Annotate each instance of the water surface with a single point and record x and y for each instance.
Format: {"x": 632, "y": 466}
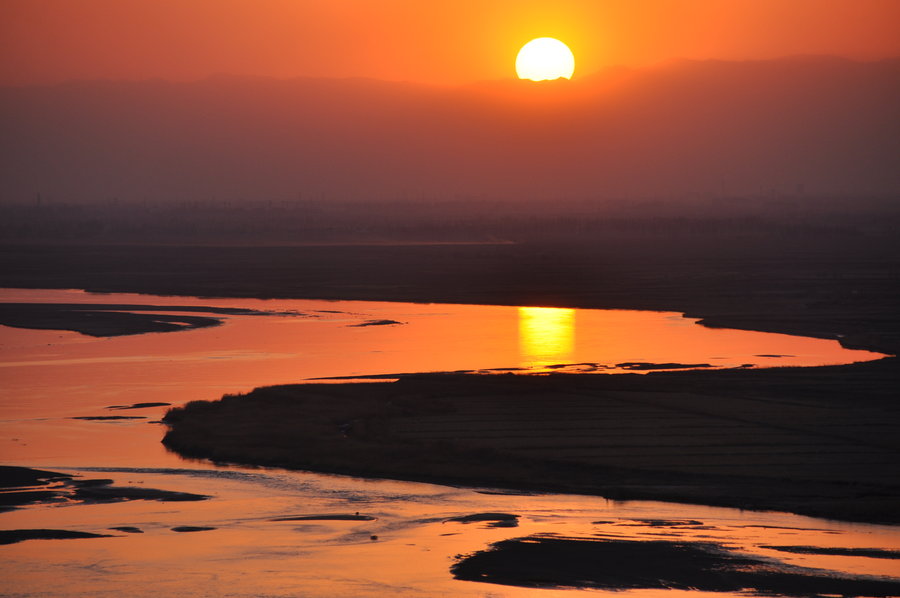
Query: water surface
{"x": 50, "y": 377}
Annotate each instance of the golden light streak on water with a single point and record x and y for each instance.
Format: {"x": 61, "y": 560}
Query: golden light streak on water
{"x": 546, "y": 335}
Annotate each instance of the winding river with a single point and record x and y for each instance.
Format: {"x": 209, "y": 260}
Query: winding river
{"x": 406, "y": 539}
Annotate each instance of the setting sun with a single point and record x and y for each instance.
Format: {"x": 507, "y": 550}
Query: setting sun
{"x": 545, "y": 59}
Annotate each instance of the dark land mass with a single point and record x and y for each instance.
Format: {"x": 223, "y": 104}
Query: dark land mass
{"x": 641, "y": 365}
{"x": 814, "y": 441}
{"x": 139, "y": 406}
{"x": 491, "y": 519}
{"x": 664, "y": 522}
{"x": 12, "y": 536}
{"x": 376, "y": 323}
{"x": 108, "y": 417}
{"x": 98, "y": 319}
{"x": 21, "y": 486}
{"x": 541, "y": 561}
{"x": 394, "y": 375}
{"x": 95, "y": 494}
{"x": 482, "y": 517}
{"x": 335, "y": 517}
{"x": 191, "y": 528}
{"x": 12, "y": 499}
{"x": 16, "y": 477}
{"x": 781, "y": 439}
{"x": 872, "y": 553}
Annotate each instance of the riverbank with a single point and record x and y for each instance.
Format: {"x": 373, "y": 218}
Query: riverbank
{"x": 814, "y": 441}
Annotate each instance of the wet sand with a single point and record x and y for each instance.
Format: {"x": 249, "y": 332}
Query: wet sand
{"x": 783, "y": 439}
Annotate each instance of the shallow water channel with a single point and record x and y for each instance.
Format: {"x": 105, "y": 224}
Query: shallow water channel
{"x": 404, "y": 543}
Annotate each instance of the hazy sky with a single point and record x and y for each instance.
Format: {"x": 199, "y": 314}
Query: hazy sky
{"x": 433, "y": 41}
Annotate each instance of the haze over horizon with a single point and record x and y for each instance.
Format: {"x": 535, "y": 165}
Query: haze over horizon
{"x": 807, "y": 126}
{"x": 167, "y": 103}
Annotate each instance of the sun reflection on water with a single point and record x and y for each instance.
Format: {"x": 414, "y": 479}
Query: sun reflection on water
{"x": 546, "y": 335}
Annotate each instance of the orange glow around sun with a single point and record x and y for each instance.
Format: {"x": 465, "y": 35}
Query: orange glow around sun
{"x": 50, "y": 41}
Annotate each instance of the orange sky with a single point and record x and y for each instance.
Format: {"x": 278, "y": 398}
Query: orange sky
{"x": 433, "y": 41}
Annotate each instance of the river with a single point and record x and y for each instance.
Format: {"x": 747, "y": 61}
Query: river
{"x": 407, "y": 540}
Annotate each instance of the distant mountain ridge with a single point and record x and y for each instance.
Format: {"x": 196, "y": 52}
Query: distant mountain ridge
{"x": 802, "y": 125}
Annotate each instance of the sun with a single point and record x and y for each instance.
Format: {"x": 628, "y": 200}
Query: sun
{"x": 545, "y": 59}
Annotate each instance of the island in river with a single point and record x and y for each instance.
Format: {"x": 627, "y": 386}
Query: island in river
{"x": 771, "y": 439}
